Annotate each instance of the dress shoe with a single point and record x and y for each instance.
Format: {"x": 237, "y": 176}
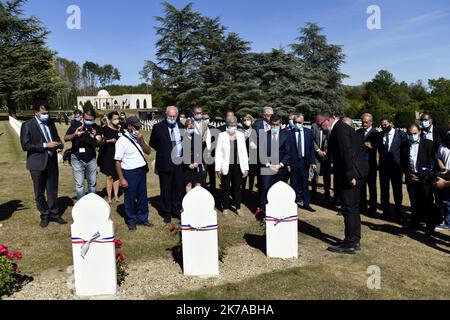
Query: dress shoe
{"x": 58, "y": 220}
{"x": 343, "y": 248}
{"x": 167, "y": 219}
{"x": 44, "y": 223}
{"x": 357, "y": 245}
{"x": 132, "y": 228}
{"x": 308, "y": 208}
{"x": 147, "y": 224}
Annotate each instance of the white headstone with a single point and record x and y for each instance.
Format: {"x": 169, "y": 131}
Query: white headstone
{"x": 199, "y": 234}
{"x": 93, "y": 248}
{"x": 281, "y": 222}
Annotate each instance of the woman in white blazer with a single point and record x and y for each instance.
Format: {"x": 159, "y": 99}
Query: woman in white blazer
{"x": 231, "y": 164}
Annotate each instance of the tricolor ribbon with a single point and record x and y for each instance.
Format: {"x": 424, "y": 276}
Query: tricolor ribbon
{"x": 191, "y": 228}
{"x": 86, "y": 244}
{"x": 280, "y": 220}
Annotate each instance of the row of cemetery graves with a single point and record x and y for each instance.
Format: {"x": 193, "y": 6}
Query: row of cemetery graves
{"x": 93, "y": 248}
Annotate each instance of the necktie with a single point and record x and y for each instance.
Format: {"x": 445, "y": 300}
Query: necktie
{"x": 172, "y": 138}
{"x": 47, "y": 138}
{"x": 321, "y": 140}
{"x": 299, "y": 148}
{"x": 387, "y": 142}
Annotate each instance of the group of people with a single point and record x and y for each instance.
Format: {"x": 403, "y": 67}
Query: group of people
{"x": 190, "y": 152}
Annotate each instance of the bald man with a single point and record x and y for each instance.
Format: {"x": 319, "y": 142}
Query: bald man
{"x": 166, "y": 139}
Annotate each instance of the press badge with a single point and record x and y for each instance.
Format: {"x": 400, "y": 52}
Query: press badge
{"x": 82, "y": 150}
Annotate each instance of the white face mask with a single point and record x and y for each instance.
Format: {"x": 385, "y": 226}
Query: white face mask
{"x": 247, "y": 123}
{"x": 232, "y": 130}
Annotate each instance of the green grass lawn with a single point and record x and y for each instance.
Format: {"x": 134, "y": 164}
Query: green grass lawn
{"x": 412, "y": 267}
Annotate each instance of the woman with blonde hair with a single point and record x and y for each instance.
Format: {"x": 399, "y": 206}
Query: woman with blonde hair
{"x": 231, "y": 164}
{"x": 251, "y": 143}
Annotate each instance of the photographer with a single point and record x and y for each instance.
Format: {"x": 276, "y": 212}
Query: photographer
{"x": 443, "y": 183}
{"x": 417, "y": 159}
{"x": 85, "y": 136}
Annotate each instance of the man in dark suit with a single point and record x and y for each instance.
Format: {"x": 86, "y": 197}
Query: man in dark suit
{"x": 40, "y": 139}
{"x": 302, "y": 160}
{"x": 346, "y": 148}
{"x": 274, "y": 166}
{"x": 417, "y": 156}
{"x": 323, "y": 160}
{"x": 369, "y": 134}
{"x": 431, "y": 131}
{"x": 264, "y": 123}
{"x": 166, "y": 139}
{"x": 210, "y": 168}
{"x": 389, "y": 143}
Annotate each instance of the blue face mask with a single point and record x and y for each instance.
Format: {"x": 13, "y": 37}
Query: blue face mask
{"x": 135, "y": 134}
{"x": 44, "y": 117}
{"x": 413, "y": 138}
{"x": 78, "y": 119}
{"x": 171, "y": 121}
{"x": 299, "y": 126}
{"x": 291, "y": 124}
{"x": 276, "y": 130}
{"x": 198, "y": 117}
{"x": 88, "y": 123}
{"x": 426, "y": 124}
{"x": 190, "y": 131}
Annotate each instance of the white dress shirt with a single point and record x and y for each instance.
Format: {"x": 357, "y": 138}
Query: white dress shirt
{"x": 176, "y": 131}
{"x": 428, "y": 134}
{"x": 128, "y": 154}
{"x": 302, "y": 137}
{"x": 413, "y": 153}
{"x": 391, "y": 138}
{"x": 444, "y": 156}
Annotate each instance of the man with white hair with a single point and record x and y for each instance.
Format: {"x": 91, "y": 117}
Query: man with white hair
{"x": 166, "y": 139}
{"x": 369, "y": 134}
{"x": 264, "y": 123}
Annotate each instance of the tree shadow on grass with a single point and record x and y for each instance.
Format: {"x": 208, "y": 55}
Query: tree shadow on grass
{"x": 155, "y": 202}
{"x": 432, "y": 242}
{"x": 64, "y": 203}
{"x": 315, "y": 232}
{"x": 256, "y": 241}
{"x": 7, "y": 209}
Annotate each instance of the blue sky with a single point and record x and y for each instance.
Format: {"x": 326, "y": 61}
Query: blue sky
{"x": 413, "y": 42}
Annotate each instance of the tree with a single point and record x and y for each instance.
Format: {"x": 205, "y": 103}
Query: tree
{"x": 177, "y": 50}
{"x": 321, "y": 78}
{"x": 27, "y": 69}
{"x": 107, "y": 75}
{"x": 70, "y": 75}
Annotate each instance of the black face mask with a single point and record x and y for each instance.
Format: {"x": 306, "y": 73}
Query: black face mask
{"x": 387, "y": 129}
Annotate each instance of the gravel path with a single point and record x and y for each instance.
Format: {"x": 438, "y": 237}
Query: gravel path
{"x": 154, "y": 278}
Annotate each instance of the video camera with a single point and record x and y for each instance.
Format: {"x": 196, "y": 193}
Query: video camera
{"x": 430, "y": 176}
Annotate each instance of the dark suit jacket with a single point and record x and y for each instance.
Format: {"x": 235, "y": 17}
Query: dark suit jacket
{"x": 259, "y": 125}
{"x": 310, "y": 152}
{"x": 439, "y": 134}
{"x": 346, "y": 148}
{"x": 32, "y": 140}
{"x": 283, "y": 151}
{"x": 372, "y": 153}
{"x": 161, "y": 142}
{"x": 392, "y": 158}
{"x": 425, "y": 156}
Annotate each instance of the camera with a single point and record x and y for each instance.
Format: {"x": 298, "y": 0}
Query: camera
{"x": 430, "y": 176}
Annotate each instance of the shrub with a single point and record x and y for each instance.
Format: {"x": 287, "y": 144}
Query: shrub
{"x": 9, "y": 270}
{"x": 121, "y": 265}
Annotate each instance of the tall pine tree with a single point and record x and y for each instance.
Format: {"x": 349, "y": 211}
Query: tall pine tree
{"x": 27, "y": 69}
